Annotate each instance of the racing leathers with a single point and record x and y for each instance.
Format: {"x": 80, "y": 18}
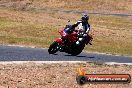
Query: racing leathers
{"x": 83, "y": 28}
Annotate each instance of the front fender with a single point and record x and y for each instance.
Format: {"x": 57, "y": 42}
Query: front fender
{"x": 59, "y": 40}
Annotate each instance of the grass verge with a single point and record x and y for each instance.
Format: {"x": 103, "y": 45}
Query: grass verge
{"x": 112, "y": 34}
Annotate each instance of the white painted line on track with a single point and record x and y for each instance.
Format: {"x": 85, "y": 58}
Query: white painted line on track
{"x": 23, "y": 46}
{"x": 113, "y": 63}
{"x": 61, "y": 62}
{"x": 40, "y": 62}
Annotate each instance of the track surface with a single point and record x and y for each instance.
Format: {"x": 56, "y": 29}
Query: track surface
{"x": 94, "y": 13}
{"x": 14, "y": 53}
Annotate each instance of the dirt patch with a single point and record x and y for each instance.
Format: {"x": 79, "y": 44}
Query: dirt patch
{"x": 32, "y": 75}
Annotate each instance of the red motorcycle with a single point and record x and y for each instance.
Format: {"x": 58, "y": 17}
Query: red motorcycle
{"x": 67, "y": 42}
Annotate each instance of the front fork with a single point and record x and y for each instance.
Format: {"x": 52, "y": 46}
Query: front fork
{"x": 60, "y": 42}
{"x": 63, "y": 44}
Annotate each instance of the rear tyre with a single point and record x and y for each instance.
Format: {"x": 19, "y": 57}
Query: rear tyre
{"x": 54, "y": 47}
{"x": 77, "y": 50}
{"x": 75, "y": 53}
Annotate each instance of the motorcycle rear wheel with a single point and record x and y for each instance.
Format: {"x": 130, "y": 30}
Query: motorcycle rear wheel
{"x": 76, "y": 51}
{"x": 54, "y": 47}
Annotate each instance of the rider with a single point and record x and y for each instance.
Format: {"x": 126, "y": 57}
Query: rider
{"x": 83, "y": 27}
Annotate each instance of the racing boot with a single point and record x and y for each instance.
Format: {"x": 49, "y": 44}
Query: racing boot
{"x": 80, "y": 41}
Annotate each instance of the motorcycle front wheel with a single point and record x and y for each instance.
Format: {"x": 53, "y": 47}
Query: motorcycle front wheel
{"x": 54, "y": 47}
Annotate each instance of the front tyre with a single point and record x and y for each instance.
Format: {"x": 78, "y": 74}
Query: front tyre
{"x": 54, "y": 47}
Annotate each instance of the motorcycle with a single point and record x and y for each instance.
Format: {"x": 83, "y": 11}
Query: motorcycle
{"x": 67, "y": 42}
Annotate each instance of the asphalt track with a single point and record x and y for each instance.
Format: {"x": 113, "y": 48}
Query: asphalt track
{"x": 94, "y": 13}
{"x": 15, "y": 53}
{"x": 36, "y": 9}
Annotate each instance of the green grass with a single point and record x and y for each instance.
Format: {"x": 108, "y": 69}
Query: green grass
{"x": 112, "y": 22}
{"x": 15, "y": 40}
{"x": 110, "y": 48}
{"x": 6, "y": 23}
{"x": 23, "y": 33}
